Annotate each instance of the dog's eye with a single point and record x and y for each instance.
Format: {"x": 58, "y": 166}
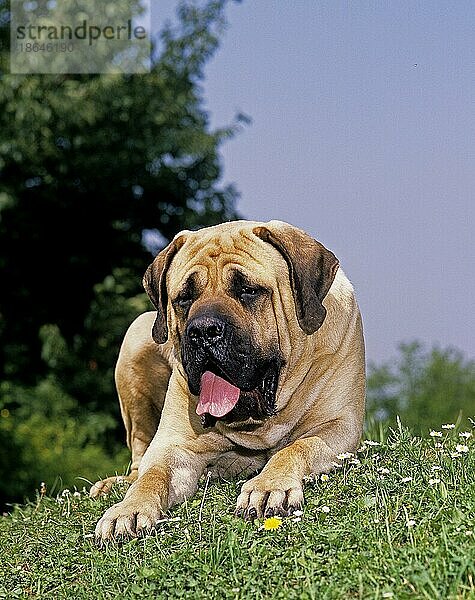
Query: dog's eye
{"x": 184, "y": 302}
{"x": 248, "y": 293}
{"x": 187, "y": 295}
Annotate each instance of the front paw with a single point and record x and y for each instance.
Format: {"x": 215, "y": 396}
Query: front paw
{"x": 268, "y": 496}
{"x": 133, "y": 517}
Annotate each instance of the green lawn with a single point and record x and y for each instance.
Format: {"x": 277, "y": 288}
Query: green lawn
{"x": 397, "y": 521}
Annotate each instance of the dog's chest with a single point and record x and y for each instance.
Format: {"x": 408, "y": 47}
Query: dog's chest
{"x": 264, "y": 438}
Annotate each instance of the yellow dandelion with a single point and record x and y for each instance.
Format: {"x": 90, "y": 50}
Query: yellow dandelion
{"x": 272, "y": 523}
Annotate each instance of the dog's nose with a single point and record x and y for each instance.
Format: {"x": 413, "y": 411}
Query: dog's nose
{"x": 205, "y": 330}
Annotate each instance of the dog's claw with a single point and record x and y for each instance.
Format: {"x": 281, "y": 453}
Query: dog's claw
{"x": 127, "y": 520}
{"x": 265, "y": 497}
{"x": 293, "y": 508}
{"x": 251, "y": 514}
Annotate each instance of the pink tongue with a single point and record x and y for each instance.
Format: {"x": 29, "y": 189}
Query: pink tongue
{"x": 217, "y": 396}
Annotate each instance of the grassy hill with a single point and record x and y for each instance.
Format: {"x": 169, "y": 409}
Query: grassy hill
{"x": 396, "y": 521}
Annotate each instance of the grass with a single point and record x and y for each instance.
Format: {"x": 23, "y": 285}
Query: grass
{"x": 396, "y": 521}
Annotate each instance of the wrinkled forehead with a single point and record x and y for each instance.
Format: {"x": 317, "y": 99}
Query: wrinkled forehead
{"x": 216, "y": 254}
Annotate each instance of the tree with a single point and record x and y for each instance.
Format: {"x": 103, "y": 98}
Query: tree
{"x": 426, "y": 389}
{"x": 88, "y": 165}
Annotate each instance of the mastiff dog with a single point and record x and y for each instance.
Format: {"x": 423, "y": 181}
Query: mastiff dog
{"x": 252, "y": 364}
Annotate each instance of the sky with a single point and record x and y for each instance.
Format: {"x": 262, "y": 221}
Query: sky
{"x": 363, "y": 134}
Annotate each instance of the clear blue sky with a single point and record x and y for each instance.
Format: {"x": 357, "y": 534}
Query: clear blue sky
{"x": 363, "y": 134}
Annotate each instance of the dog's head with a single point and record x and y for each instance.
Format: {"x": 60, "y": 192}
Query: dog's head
{"x": 227, "y": 296}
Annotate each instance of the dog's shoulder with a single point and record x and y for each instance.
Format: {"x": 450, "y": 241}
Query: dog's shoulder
{"x": 138, "y": 345}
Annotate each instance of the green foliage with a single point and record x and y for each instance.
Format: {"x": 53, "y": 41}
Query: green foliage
{"x": 396, "y": 521}
{"x": 422, "y": 387}
{"x": 47, "y": 437}
{"x": 85, "y": 365}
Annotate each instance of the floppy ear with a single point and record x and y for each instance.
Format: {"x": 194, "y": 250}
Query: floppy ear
{"x": 155, "y": 284}
{"x": 312, "y": 269}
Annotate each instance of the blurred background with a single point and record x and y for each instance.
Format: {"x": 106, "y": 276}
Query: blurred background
{"x": 352, "y": 120}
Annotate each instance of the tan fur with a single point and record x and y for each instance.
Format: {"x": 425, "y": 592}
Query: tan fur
{"x": 320, "y": 397}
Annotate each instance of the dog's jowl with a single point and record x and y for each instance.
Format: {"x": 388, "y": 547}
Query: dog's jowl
{"x": 253, "y": 362}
